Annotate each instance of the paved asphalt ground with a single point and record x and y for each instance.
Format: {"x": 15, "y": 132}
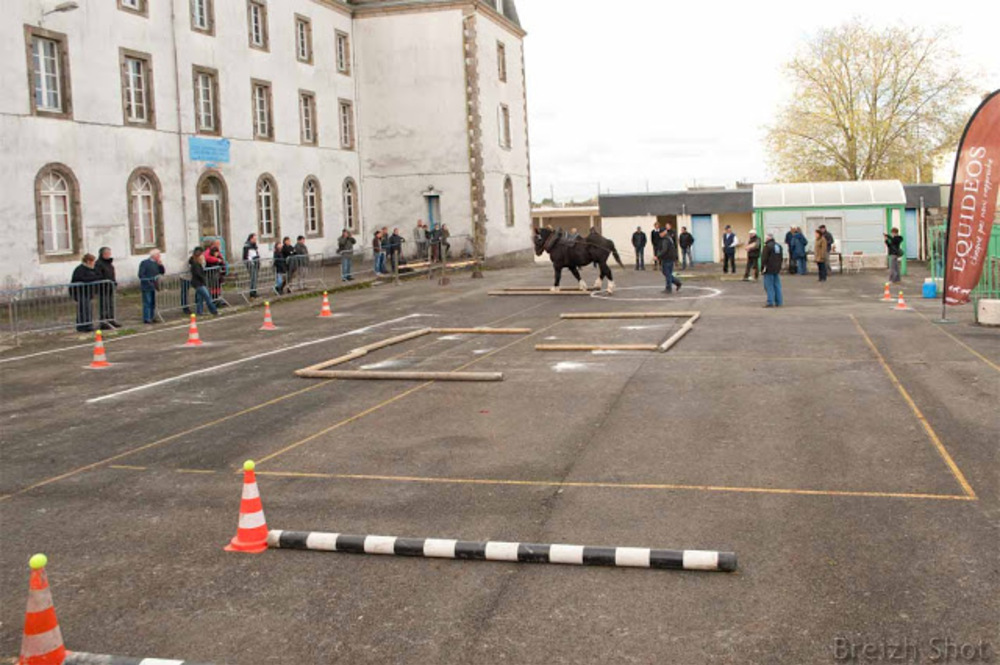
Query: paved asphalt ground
{"x": 794, "y": 437}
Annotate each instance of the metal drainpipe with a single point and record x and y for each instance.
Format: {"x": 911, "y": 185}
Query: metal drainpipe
{"x": 180, "y": 133}
{"x": 922, "y": 232}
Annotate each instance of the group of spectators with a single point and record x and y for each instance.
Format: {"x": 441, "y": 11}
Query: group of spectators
{"x": 685, "y": 242}
{"x": 289, "y": 261}
{"x": 387, "y": 249}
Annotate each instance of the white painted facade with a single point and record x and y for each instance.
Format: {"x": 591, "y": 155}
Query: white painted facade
{"x": 406, "y": 82}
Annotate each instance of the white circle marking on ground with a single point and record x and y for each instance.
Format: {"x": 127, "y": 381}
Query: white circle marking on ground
{"x": 605, "y": 296}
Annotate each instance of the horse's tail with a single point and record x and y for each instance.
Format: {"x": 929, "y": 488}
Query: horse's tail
{"x": 617, "y": 258}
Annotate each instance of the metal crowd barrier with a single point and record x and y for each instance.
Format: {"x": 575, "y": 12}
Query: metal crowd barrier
{"x": 58, "y": 307}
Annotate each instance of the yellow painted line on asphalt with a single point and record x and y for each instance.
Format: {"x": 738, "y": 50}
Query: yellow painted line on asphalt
{"x": 219, "y": 421}
{"x": 380, "y": 405}
{"x": 159, "y": 442}
{"x": 959, "y": 476}
{"x": 960, "y": 342}
{"x": 623, "y": 486}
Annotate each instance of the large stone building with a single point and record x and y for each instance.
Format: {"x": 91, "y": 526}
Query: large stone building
{"x": 137, "y": 124}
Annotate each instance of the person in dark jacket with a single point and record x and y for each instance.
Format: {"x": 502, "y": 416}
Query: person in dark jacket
{"x": 345, "y": 248}
{"x": 654, "y": 241}
{"x": 288, "y": 254}
{"x": 109, "y": 285}
{"x": 753, "y": 255}
{"x": 83, "y": 289}
{"x": 199, "y": 281}
{"x": 686, "y": 241}
{"x": 215, "y": 264}
{"x": 150, "y": 271}
{"x": 797, "y": 251}
{"x": 729, "y": 244}
{"x": 639, "y": 243}
{"x": 395, "y": 249}
{"x": 251, "y": 259}
{"x": 894, "y": 244}
{"x": 829, "y": 249}
{"x": 280, "y": 268}
{"x": 771, "y": 260}
{"x": 668, "y": 258}
{"x": 298, "y": 264}
{"x": 792, "y": 268}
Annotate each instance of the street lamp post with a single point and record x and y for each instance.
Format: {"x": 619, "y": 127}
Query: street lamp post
{"x": 61, "y": 8}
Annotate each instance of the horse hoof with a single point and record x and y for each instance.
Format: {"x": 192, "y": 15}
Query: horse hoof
{"x": 583, "y": 285}
{"x": 554, "y": 289}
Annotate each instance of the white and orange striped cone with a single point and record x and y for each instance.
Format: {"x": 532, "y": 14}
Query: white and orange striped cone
{"x": 194, "y": 339}
{"x": 42, "y": 643}
{"x": 251, "y": 535}
{"x": 100, "y": 360}
{"x": 901, "y": 305}
{"x": 268, "y": 323}
{"x": 887, "y": 296}
{"x": 325, "y": 312}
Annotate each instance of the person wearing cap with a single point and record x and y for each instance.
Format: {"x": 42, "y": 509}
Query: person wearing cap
{"x": 753, "y": 254}
{"x": 771, "y": 261}
{"x": 729, "y": 244}
{"x": 639, "y": 243}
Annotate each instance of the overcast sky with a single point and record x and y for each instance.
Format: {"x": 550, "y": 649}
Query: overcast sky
{"x": 623, "y": 92}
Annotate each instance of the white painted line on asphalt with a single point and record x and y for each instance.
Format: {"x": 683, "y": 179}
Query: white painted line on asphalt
{"x": 108, "y": 340}
{"x": 232, "y": 363}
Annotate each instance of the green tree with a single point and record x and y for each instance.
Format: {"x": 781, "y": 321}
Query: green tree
{"x": 870, "y": 104}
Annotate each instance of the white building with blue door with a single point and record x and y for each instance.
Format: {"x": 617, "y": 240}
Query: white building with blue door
{"x": 857, "y": 213}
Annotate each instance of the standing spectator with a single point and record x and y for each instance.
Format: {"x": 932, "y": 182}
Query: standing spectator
{"x": 639, "y": 243}
{"x": 434, "y": 238}
{"x": 654, "y": 240}
{"x": 753, "y": 255}
{"x": 82, "y": 290}
{"x": 251, "y": 259}
{"x": 668, "y": 258}
{"x": 797, "y": 251}
{"x": 150, "y": 272}
{"x": 199, "y": 281}
{"x": 792, "y": 268}
{"x": 894, "y": 244}
{"x": 395, "y": 249}
{"x": 445, "y": 245}
{"x": 378, "y": 252}
{"x": 830, "y": 249}
{"x": 280, "y": 268}
{"x": 215, "y": 273}
{"x": 822, "y": 254}
{"x": 420, "y": 240}
{"x": 109, "y": 285}
{"x": 771, "y": 261}
{"x": 686, "y": 243}
{"x": 288, "y": 253}
{"x": 345, "y": 248}
{"x": 729, "y": 244}
{"x": 300, "y": 259}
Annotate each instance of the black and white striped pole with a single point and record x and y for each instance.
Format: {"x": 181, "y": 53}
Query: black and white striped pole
{"x": 438, "y": 548}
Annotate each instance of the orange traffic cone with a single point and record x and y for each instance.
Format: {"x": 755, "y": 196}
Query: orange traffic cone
{"x": 901, "y": 305}
{"x": 100, "y": 360}
{"x": 42, "y": 643}
{"x": 268, "y": 323}
{"x": 251, "y": 535}
{"x": 194, "y": 339}
{"x": 886, "y": 296}
{"x": 325, "y": 312}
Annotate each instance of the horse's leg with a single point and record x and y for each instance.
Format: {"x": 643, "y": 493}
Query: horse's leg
{"x": 576, "y": 274}
{"x": 558, "y": 270}
{"x": 600, "y": 275}
{"x": 611, "y": 277}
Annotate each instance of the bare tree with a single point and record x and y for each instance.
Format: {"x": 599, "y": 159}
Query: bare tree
{"x": 869, "y": 104}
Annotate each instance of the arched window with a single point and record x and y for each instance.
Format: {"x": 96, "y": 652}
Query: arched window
{"x": 312, "y": 205}
{"x": 508, "y": 201}
{"x": 57, "y": 213}
{"x": 145, "y": 212}
{"x": 268, "y": 224}
{"x": 350, "y": 205}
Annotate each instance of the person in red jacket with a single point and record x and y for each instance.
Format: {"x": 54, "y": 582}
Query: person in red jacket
{"x": 215, "y": 269}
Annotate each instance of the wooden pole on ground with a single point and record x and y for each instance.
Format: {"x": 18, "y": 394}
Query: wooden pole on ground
{"x": 629, "y": 315}
{"x": 402, "y": 376}
{"x": 482, "y": 331}
{"x": 596, "y": 347}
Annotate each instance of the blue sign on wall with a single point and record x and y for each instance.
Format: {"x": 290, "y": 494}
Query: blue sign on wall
{"x": 208, "y": 150}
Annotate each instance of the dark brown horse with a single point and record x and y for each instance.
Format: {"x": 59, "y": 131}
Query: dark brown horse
{"x": 575, "y": 252}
